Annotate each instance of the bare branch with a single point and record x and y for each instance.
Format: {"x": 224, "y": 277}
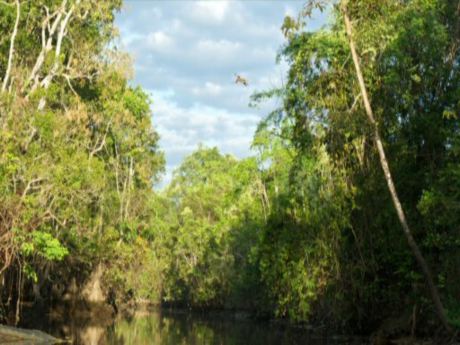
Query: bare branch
{"x": 62, "y": 32}
{"x": 69, "y": 83}
{"x": 102, "y": 143}
{"x": 30, "y": 186}
{"x": 47, "y": 46}
{"x": 47, "y": 80}
{"x": 43, "y": 35}
{"x": 355, "y": 103}
{"x": 11, "y": 53}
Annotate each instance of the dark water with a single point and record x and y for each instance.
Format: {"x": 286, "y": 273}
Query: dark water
{"x": 183, "y": 328}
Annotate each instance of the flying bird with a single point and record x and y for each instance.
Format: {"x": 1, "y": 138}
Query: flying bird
{"x": 241, "y": 80}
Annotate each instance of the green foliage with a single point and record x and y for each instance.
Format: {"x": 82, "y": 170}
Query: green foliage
{"x": 303, "y": 230}
{"x": 45, "y": 245}
{"x": 411, "y": 72}
{"x": 298, "y": 252}
{"x": 205, "y": 190}
{"x": 78, "y": 152}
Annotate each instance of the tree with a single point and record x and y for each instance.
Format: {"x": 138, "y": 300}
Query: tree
{"x": 79, "y": 154}
{"x": 388, "y": 176}
{"x": 205, "y": 190}
{"x": 414, "y": 94}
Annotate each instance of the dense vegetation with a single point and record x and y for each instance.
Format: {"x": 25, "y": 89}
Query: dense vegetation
{"x": 78, "y": 154}
{"x": 304, "y": 230}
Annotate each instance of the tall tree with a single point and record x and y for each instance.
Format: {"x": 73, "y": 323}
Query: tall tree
{"x": 388, "y": 176}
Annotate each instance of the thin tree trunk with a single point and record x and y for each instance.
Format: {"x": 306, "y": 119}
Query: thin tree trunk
{"x": 389, "y": 180}
{"x": 129, "y": 185}
{"x": 45, "y": 83}
{"x": 62, "y": 31}
{"x": 11, "y": 53}
{"x": 47, "y": 45}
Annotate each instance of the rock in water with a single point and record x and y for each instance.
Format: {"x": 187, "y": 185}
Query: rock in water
{"x": 18, "y": 336}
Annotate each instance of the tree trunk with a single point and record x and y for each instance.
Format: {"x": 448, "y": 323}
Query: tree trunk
{"x": 11, "y": 53}
{"x": 389, "y": 180}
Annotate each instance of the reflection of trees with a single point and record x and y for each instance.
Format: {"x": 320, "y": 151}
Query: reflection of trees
{"x": 173, "y": 328}
{"x": 155, "y": 329}
{"x": 92, "y": 335}
{"x": 187, "y": 329}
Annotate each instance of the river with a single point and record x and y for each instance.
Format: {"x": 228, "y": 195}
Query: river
{"x": 164, "y": 327}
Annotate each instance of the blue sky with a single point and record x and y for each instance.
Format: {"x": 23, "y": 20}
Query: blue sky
{"x": 186, "y": 54}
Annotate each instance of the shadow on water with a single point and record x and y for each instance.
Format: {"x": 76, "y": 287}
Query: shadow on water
{"x": 180, "y": 328}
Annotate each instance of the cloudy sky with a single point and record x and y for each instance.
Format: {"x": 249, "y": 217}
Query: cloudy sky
{"x": 186, "y": 55}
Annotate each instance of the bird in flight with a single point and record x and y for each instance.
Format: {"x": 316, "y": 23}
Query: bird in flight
{"x": 241, "y": 80}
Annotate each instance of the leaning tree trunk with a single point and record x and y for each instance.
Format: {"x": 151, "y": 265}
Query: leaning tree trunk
{"x": 389, "y": 179}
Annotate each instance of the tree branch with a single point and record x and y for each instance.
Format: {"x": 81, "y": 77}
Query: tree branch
{"x": 46, "y": 46}
{"x": 47, "y": 80}
{"x": 62, "y": 32}
{"x": 11, "y": 53}
{"x": 102, "y": 143}
{"x": 29, "y": 186}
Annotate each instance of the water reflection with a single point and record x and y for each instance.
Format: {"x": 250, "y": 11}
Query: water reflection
{"x": 181, "y": 328}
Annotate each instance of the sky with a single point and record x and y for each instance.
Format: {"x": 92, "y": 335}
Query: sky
{"x": 186, "y": 55}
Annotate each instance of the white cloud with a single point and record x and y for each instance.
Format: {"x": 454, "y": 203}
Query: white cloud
{"x": 183, "y": 128}
{"x": 159, "y": 40}
{"x": 205, "y": 11}
{"x": 188, "y": 53}
{"x": 209, "y": 88}
{"x": 223, "y": 48}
